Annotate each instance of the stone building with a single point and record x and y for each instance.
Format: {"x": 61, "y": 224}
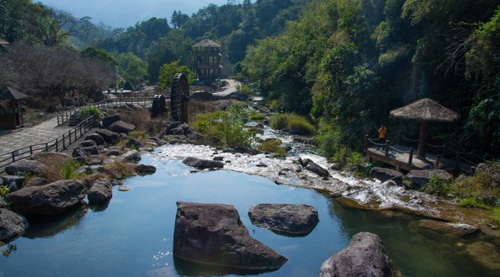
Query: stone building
{"x": 207, "y": 60}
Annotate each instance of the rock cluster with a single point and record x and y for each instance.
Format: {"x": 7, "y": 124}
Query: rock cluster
{"x": 287, "y": 219}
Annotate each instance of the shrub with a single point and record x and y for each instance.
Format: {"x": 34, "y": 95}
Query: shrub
{"x": 4, "y": 190}
{"x": 496, "y": 215}
{"x": 478, "y": 186}
{"x": 273, "y": 146}
{"x": 225, "y": 126}
{"x": 292, "y": 123}
{"x": 473, "y": 203}
{"x": 437, "y": 186}
{"x": 87, "y": 112}
{"x": 255, "y": 115}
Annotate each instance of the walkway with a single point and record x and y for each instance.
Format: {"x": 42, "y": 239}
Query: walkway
{"x": 40, "y": 133}
{"x": 230, "y": 88}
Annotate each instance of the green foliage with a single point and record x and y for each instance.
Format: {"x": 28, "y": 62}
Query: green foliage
{"x": 437, "y": 186}
{"x": 473, "y": 203}
{"x": 256, "y": 116}
{"x": 132, "y": 69}
{"x": 4, "y": 190}
{"x": 69, "y": 170}
{"x": 138, "y": 135}
{"x": 168, "y": 71}
{"x": 100, "y": 54}
{"x": 496, "y": 215}
{"x": 87, "y": 112}
{"x": 292, "y": 123}
{"x": 273, "y": 146}
{"x": 227, "y": 127}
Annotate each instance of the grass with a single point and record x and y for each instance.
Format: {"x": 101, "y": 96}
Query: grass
{"x": 256, "y": 116}
{"x": 60, "y": 168}
{"x": 292, "y": 123}
{"x": 473, "y": 203}
{"x": 4, "y": 190}
{"x": 496, "y": 215}
{"x": 120, "y": 169}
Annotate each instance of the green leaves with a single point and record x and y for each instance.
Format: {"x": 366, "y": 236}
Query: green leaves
{"x": 168, "y": 71}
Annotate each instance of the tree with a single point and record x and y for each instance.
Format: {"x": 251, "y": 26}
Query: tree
{"x": 168, "y": 71}
{"x": 132, "y": 69}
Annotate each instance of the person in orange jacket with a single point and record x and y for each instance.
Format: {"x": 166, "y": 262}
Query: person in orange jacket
{"x": 382, "y": 133}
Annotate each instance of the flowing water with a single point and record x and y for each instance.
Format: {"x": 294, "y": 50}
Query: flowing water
{"x": 133, "y": 235}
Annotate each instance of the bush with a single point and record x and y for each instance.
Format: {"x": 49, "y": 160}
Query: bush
{"x": 437, "y": 186}
{"x": 4, "y": 190}
{"x": 87, "y": 112}
{"x": 273, "y": 146}
{"x": 496, "y": 215}
{"x": 292, "y": 123}
{"x": 68, "y": 170}
{"x": 473, "y": 203}
{"x": 227, "y": 127}
{"x": 478, "y": 186}
{"x": 255, "y": 115}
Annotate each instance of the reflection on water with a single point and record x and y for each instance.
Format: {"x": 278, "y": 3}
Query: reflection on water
{"x": 133, "y": 235}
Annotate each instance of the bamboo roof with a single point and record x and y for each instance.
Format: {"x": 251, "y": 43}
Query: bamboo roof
{"x": 207, "y": 43}
{"x": 425, "y": 110}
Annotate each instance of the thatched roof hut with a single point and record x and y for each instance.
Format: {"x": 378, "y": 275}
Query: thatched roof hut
{"x": 425, "y": 110}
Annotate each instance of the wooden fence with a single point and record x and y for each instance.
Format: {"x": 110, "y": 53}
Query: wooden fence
{"x": 59, "y": 144}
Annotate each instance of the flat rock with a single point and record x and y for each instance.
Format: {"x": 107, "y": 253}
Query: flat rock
{"x": 12, "y": 225}
{"x": 109, "y": 136}
{"x": 101, "y": 191}
{"x": 145, "y": 169}
{"x": 132, "y": 156}
{"x": 314, "y": 167}
{"x": 364, "y": 256}
{"x": 107, "y": 121}
{"x": 202, "y": 164}
{"x": 485, "y": 253}
{"x": 422, "y": 177}
{"x": 51, "y": 199}
{"x": 132, "y": 142}
{"x": 287, "y": 219}
{"x": 454, "y": 229}
{"x": 214, "y": 234}
{"x": 386, "y": 174}
{"x": 121, "y": 127}
{"x": 26, "y": 167}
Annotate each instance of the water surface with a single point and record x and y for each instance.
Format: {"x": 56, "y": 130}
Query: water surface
{"x": 133, "y": 235}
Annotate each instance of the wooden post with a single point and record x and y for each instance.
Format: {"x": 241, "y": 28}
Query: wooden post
{"x": 366, "y": 142}
{"x": 387, "y": 148}
{"x": 437, "y": 161}
{"x": 13, "y": 156}
{"x": 58, "y": 124}
{"x": 31, "y": 150}
{"x": 69, "y": 137}
{"x": 410, "y": 159}
{"x": 57, "y": 144}
{"x": 46, "y": 147}
{"x": 64, "y": 141}
{"x": 422, "y": 140}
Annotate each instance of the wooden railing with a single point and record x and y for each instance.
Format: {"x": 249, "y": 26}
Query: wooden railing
{"x": 63, "y": 117}
{"x": 59, "y": 144}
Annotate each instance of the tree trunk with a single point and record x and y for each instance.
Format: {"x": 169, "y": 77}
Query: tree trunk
{"x": 422, "y": 141}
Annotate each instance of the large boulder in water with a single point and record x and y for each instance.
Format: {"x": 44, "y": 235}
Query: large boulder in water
{"x": 314, "y": 167}
{"x": 287, "y": 219}
{"x": 213, "y": 234}
{"x": 386, "y": 174}
{"x": 51, "y": 199}
{"x": 26, "y": 167}
{"x": 101, "y": 191}
{"x": 364, "y": 256}
{"x": 202, "y": 164}
{"x": 12, "y": 225}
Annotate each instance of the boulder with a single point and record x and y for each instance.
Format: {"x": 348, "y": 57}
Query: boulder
{"x": 133, "y": 143}
{"x": 246, "y": 150}
{"x": 132, "y": 156}
{"x": 420, "y": 178}
{"x": 107, "y": 121}
{"x": 114, "y": 152}
{"x": 109, "y": 136}
{"x": 101, "y": 191}
{"x": 83, "y": 154}
{"x": 88, "y": 143}
{"x": 26, "y": 167}
{"x": 313, "y": 167}
{"x": 178, "y": 131}
{"x": 49, "y": 158}
{"x": 9, "y": 179}
{"x": 12, "y": 225}
{"x": 174, "y": 124}
{"x": 143, "y": 169}
{"x": 37, "y": 181}
{"x": 99, "y": 140}
{"x": 186, "y": 128}
{"x": 214, "y": 234}
{"x": 51, "y": 199}
{"x": 457, "y": 230}
{"x": 287, "y": 219}
{"x": 121, "y": 127}
{"x": 364, "y": 256}
{"x": 386, "y": 174}
{"x": 202, "y": 164}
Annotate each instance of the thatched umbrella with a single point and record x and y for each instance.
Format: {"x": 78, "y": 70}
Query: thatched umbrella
{"x": 425, "y": 110}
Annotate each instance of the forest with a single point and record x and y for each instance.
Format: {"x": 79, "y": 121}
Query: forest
{"x": 343, "y": 63}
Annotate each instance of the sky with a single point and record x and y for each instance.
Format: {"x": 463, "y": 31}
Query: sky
{"x": 125, "y": 13}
